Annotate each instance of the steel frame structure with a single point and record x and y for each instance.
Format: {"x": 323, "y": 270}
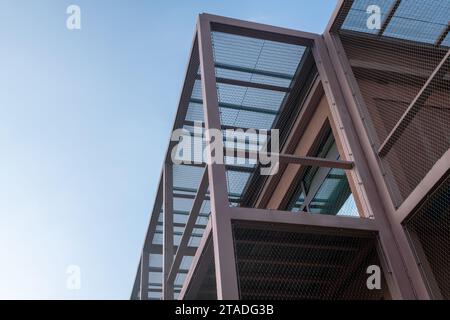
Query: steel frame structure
{"x": 337, "y": 84}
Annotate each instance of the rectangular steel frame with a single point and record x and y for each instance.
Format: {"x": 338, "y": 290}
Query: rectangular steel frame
{"x": 364, "y": 173}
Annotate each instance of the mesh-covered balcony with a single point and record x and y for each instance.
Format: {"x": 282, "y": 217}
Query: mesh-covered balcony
{"x": 400, "y": 77}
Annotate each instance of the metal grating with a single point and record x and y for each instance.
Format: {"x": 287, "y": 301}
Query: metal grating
{"x": 402, "y": 73}
{"x": 412, "y": 20}
{"x": 429, "y": 232}
{"x": 268, "y": 70}
{"x": 276, "y": 262}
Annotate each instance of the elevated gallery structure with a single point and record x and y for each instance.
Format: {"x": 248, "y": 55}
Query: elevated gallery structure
{"x": 364, "y": 128}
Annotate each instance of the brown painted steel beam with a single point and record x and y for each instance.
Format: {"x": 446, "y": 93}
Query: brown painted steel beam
{"x": 225, "y": 266}
{"x": 202, "y": 251}
{"x": 168, "y": 231}
{"x": 256, "y": 85}
{"x": 144, "y": 275}
{"x": 158, "y": 249}
{"x": 303, "y": 219}
{"x": 272, "y": 74}
{"x": 403, "y": 276}
{"x": 224, "y": 127}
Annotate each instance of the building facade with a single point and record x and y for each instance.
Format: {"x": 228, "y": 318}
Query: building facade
{"x": 358, "y": 123}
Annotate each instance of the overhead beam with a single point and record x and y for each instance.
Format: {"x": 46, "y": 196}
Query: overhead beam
{"x": 157, "y": 249}
{"x": 225, "y": 266}
{"x": 225, "y": 127}
{"x": 294, "y": 159}
{"x": 259, "y": 72}
{"x": 259, "y": 30}
{"x": 168, "y": 233}
{"x": 303, "y": 219}
{"x": 240, "y": 107}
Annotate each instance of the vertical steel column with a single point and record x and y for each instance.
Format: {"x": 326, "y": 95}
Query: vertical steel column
{"x": 226, "y": 278}
{"x": 145, "y": 258}
{"x": 352, "y": 96}
{"x": 398, "y": 281}
{"x": 167, "y": 287}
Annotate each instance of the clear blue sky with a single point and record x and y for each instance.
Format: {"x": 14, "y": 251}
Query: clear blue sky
{"x": 85, "y": 118}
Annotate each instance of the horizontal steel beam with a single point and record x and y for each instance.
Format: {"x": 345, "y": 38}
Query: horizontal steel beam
{"x": 302, "y": 219}
{"x": 242, "y": 83}
{"x": 339, "y": 15}
{"x": 157, "y": 249}
{"x": 260, "y": 31}
{"x": 294, "y": 159}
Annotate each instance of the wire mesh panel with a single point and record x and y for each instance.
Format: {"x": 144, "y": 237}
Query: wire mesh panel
{"x": 402, "y": 72}
{"x": 429, "y": 231}
{"x": 276, "y": 262}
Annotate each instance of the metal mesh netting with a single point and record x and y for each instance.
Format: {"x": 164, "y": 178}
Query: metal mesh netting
{"x": 281, "y": 263}
{"x": 402, "y": 72}
{"x": 429, "y": 231}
